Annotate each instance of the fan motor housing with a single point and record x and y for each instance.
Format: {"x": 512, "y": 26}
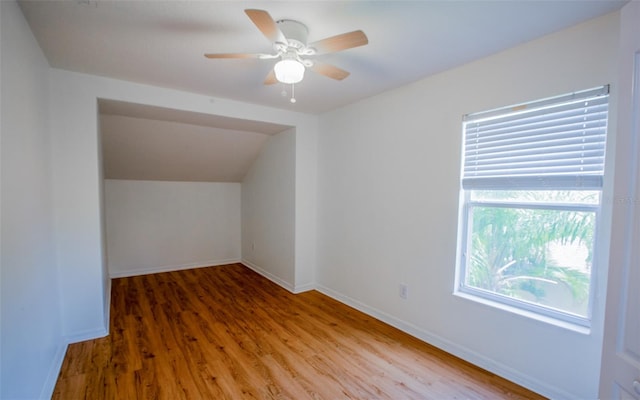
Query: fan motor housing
{"x": 295, "y": 32}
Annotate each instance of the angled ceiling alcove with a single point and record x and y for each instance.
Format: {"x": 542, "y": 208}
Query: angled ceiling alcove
{"x": 142, "y": 142}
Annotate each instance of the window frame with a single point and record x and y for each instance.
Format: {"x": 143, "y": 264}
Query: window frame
{"x": 523, "y": 307}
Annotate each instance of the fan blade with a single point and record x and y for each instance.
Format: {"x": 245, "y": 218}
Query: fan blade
{"x": 263, "y": 21}
{"x": 271, "y": 78}
{"x": 233, "y": 55}
{"x": 329, "y": 70}
{"x": 340, "y": 42}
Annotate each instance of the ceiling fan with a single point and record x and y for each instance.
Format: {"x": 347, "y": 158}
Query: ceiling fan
{"x": 290, "y": 45}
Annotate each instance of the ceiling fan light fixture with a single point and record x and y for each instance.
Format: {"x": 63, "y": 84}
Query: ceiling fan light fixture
{"x": 289, "y": 71}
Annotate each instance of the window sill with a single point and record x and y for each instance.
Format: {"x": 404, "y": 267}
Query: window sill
{"x": 584, "y": 330}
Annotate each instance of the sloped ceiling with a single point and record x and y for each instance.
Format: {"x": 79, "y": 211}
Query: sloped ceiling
{"x": 152, "y": 143}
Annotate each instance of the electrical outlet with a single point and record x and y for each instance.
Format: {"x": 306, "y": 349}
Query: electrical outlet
{"x": 253, "y": 246}
{"x": 404, "y": 291}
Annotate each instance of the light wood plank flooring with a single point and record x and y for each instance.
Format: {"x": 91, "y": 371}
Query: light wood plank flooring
{"x": 228, "y": 333}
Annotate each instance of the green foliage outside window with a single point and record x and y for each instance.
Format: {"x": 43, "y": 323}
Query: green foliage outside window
{"x": 538, "y": 255}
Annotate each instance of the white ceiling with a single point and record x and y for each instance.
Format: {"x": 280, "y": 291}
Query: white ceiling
{"x": 163, "y": 43}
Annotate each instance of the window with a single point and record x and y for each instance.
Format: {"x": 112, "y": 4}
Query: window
{"x": 531, "y": 187}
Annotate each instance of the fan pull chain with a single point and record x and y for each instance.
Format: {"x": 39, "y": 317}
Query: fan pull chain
{"x": 284, "y": 92}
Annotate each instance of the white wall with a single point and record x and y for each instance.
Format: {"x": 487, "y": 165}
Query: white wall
{"x": 155, "y": 226}
{"x": 77, "y": 182}
{"x": 388, "y": 187}
{"x": 268, "y": 211}
{"x": 306, "y": 206}
{"x": 31, "y": 343}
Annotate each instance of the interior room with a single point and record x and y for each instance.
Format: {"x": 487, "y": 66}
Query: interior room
{"x": 125, "y": 152}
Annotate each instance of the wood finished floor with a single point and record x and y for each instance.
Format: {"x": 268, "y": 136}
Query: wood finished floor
{"x": 228, "y": 333}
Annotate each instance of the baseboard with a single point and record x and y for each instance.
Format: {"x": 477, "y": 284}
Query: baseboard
{"x": 86, "y": 335}
{"x": 451, "y": 347}
{"x": 54, "y": 371}
{"x": 304, "y": 287}
{"x": 275, "y": 279}
{"x": 169, "y": 268}
{"x": 107, "y": 305}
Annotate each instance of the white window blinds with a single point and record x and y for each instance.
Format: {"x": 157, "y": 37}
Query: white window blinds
{"x": 553, "y": 144}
